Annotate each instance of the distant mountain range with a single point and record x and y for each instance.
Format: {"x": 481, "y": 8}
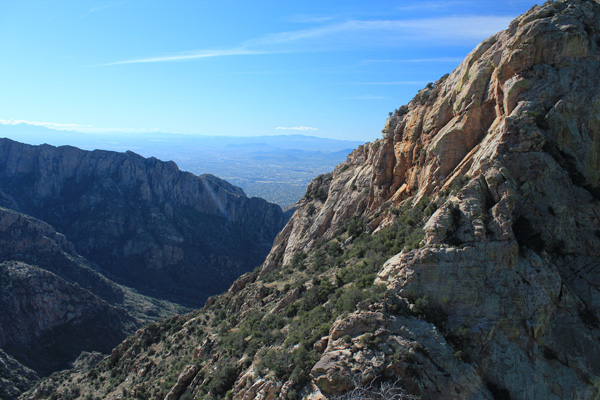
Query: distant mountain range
{"x": 276, "y": 168}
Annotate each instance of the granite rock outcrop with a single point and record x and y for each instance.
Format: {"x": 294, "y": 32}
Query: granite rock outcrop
{"x": 511, "y": 255}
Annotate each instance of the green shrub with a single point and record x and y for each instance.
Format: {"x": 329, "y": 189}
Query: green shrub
{"x": 348, "y": 298}
{"x": 355, "y": 226}
{"x": 459, "y": 355}
{"x": 333, "y": 249}
{"x": 275, "y": 360}
{"x": 223, "y": 378}
{"x": 298, "y": 261}
{"x": 370, "y": 341}
{"x": 321, "y": 195}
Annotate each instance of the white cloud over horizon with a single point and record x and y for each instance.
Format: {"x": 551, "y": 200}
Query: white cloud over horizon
{"x": 298, "y": 128}
{"x": 74, "y": 127}
{"x": 50, "y": 125}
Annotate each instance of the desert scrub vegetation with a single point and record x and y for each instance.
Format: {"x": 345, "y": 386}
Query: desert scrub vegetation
{"x": 282, "y": 340}
{"x": 331, "y": 281}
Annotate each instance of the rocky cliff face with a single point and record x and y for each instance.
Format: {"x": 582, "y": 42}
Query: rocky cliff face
{"x": 129, "y": 216}
{"x": 511, "y": 256}
{"x": 142, "y": 221}
{"x": 524, "y": 100}
{"x": 456, "y": 257}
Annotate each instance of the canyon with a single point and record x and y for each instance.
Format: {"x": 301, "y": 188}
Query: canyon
{"x": 456, "y": 257}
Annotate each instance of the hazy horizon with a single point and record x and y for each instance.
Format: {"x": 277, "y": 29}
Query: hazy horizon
{"x": 276, "y": 168}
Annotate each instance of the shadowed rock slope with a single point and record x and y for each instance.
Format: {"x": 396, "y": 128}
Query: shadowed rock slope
{"x": 54, "y": 305}
{"x": 146, "y": 224}
{"x": 14, "y": 377}
{"x": 457, "y": 257}
{"x": 46, "y": 321}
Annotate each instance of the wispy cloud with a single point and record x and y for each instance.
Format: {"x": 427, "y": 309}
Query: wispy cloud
{"x": 389, "y": 83}
{"x": 190, "y": 56}
{"x": 351, "y": 34}
{"x": 430, "y": 6}
{"x": 309, "y": 19}
{"x": 357, "y": 31}
{"x": 100, "y": 8}
{"x": 297, "y": 128}
{"x": 74, "y": 127}
{"x": 459, "y": 28}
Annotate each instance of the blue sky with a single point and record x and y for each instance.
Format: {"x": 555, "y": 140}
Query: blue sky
{"x": 237, "y": 68}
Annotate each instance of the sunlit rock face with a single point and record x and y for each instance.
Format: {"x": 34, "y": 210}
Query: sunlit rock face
{"x": 512, "y": 254}
{"x": 147, "y": 224}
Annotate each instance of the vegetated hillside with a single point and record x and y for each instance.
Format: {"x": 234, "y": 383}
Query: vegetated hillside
{"x": 456, "y": 257}
{"x": 167, "y": 233}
